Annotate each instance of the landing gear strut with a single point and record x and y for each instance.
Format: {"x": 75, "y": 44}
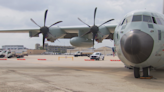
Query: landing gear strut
{"x": 146, "y": 72}
{"x": 136, "y": 72}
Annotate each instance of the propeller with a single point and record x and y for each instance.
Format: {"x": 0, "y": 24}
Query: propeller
{"x": 44, "y": 30}
{"x": 94, "y": 29}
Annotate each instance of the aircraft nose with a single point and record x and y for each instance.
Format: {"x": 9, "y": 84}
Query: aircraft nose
{"x": 137, "y": 46}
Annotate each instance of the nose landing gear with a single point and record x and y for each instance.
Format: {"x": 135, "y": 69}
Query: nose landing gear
{"x": 145, "y": 71}
{"x": 136, "y": 72}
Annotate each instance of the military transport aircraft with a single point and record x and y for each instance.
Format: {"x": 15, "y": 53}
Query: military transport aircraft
{"x": 138, "y": 38}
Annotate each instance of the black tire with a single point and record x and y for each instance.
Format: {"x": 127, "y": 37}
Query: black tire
{"x": 145, "y": 72}
{"x": 103, "y": 58}
{"x": 2, "y": 56}
{"x": 130, "y": 68}
{"x": 98, "y": 59}
{"x": 9, "y": 57}
{"x": 136, "y": 72}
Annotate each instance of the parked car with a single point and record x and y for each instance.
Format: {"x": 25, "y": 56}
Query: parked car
{"x": 97, "y": 56}
{"x": 83, "y": 53}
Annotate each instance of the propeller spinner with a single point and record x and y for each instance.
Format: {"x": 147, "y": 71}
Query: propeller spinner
{"x": 94, "y": 29}
{"x": 44, "y": 30}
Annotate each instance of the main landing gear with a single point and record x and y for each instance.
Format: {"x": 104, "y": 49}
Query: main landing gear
{"x": 145, "y": 73}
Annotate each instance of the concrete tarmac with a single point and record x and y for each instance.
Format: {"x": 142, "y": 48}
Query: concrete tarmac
{"x": 77, "y": 75}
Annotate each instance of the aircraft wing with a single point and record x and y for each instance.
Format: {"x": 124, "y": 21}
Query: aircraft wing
{"x": 65, "y": 32}
{"x": 18, "y": 31}
{"x": 31, "y": 32}
{"x": 75, "y": 31}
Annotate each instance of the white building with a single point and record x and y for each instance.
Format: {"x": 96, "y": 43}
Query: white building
{"x": 14, "y": 47}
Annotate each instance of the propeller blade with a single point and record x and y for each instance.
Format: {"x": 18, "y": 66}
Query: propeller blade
{"x": 95, "y": 15}
{"x": 94, "y": 34}
{"x": 45, "y": 16}
{"x": 86, "y": 33}
{"x": 84, "y": 22}
{"x": 44, "y": 36}
{"x": 55, "y": 23}
{"x": 106, "y": 22}
{"x": 37, "y": 34}
{"x": 34, "y": 22}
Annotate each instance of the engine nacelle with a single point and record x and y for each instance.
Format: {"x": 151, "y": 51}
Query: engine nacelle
{"x": 81, "y": 42}
{"x": 57, "y": 32}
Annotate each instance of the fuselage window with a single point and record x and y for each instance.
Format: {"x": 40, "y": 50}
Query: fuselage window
{"x": 147, "y": 18}
{"x": 158, "y": 21}
{"x": 154, "y": 21}
{"x": 150, "y": 25}
{"x": 137, "y": 18}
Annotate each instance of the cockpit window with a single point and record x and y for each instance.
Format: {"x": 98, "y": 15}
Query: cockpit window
{"x": 128, "y": 19}
{"x": 147, "y": 18}
{"x": 137, "y": 18}
{"x": 158, "y": 21}
{"x": 123, "y": 22}
{"x": 162, "y": 21}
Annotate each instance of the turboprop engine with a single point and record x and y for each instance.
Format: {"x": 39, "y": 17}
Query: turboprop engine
{"x": 54, "y": 35}
{"x": 81, "y": 42}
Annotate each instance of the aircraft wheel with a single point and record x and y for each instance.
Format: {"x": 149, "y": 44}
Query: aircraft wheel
{"x": 145, "y": 72}
{"x": 136, "y": 72}
{"x": 103, "y": 58}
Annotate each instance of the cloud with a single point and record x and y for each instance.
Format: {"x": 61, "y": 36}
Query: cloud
{"x": 25, "y": 5}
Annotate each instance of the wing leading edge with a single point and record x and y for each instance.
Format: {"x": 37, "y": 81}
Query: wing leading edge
{"x": 68, "y": 32}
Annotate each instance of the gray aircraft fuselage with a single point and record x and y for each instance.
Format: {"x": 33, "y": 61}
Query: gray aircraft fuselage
{"x": 139, "y": 39}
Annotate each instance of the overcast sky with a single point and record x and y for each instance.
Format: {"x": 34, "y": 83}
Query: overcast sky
{"x": 16, "y": 14}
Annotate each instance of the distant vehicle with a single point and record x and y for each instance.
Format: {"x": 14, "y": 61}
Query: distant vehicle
{"x": 2, "y": 54}
{"x": 10, "y": 54}
{"x": 97, "y": 56}
{"x": 25, "y": 53}
{"x": 48, "y": 53}
{"x": 83, "y": 53}
{"x": 7, "y": 53}
{"x": 19, "y": 54}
